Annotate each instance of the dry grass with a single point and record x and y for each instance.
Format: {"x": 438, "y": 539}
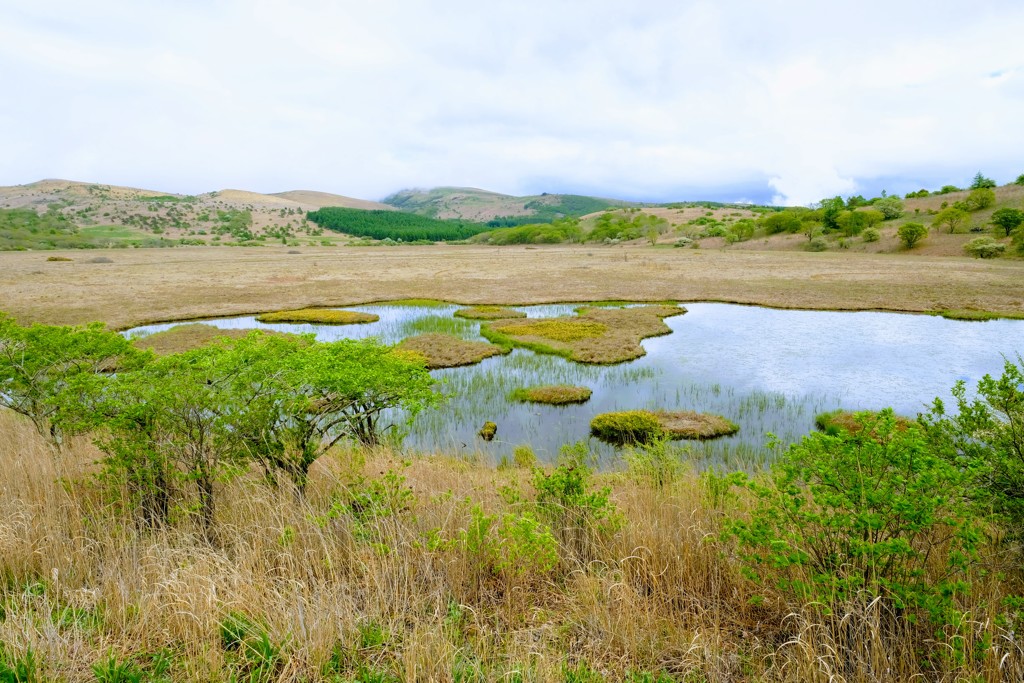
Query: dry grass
{"x": 448, "y": 351}
{"x": 687, "y": 424}
{"x": 157, "y": 285}
{"x": 318, "y": 316}
{"x": 660, "y": 593}
{"x": 596, "y": 335}
{"x": 488, "y": 313}
{"x": 185, "y": 338}
{"x": 556, "y": 394}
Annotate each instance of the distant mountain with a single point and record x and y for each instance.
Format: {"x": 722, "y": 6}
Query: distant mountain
{"x": 472, "y": 204}
{"x": 321, "y": 199}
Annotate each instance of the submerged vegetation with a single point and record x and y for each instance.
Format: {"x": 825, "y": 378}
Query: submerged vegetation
{"x": 595, "y": 335}
{"x": 318, "y": 316}
{"x": 237, "y": 512}
{"x": 556, "y": 394}
{"x": 440, "y": 350}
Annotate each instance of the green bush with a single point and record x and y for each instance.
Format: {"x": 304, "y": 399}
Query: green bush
{"x": 984, "y": 247}
{"x": 817, "y": 244}
{"x": 979, "y": 199}
{"x": 627, "y": 427}
{"x": 871, "y": 235}
{"x": 852, "y": 517}
{"x": 911, "y": 233}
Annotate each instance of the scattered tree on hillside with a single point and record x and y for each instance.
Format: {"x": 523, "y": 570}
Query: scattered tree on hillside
{"x": 830, "y": 211}
{"x": 951, "y": 217}
{"x": 787, "y": 220}
{"x": 911, "y": 233}
{"x": 1019, "y": 180}
{"x": 979, "y": 199}
{"x": 980, "y": 182}
{"x": 1007, "y": 220}
{"x": 891, "y": 207}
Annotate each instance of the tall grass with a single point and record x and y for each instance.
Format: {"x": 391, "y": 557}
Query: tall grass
{"x": 369, "y": 577}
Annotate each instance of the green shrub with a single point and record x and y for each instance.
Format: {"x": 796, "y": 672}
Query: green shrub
{"x": 816, "y": 244}
{"x": 18, "y": 668}
{"x": 657, "y": 463}
{"x": 911, "y": 233}
{"x": 858, "y": 516}
{"x": 524, "y": 457}
{"x": 627, "y": 427}
{"x": 871, "y": 235}
{"x": 980, "y": 198}
{"x": 984, "y": 247}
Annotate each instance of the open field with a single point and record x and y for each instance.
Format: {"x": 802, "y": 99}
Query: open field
{"x": 150, "y": 285}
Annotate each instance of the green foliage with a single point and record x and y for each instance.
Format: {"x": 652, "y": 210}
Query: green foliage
{"x": 235, "y": 222}
{"x": 816, "y": 244}
{"x": 395, "y": 225}
{"x": 560, "y": 231}
{"x": 979, "y": 199}
{"x": 830, "y": 211}
{"x": 916, "y": 195}
{"x": 985, "y": 439}
{"x": 856, "y": 516}
{"x": 627, "y": 427}
{"x": 947, "y": 189}
{"x": 132, "y": 670}
{"x": 980, "y": 182}
{"x": 890, "y": 207}
{"x": 581, "y": 673}
{"x": 517, "y": 547}
{"x": 656, "y": 463}
{"x": 984, "y": 247}
{"x": 911, "y": 233}
{"x": 787, "y": 220}
{"x": 39, "y": 366}
{"x": 1007, "y": 220}
{"x": 951, "y": 217}
{"x": 629, "y": 226}
{"x": 256, "y": 658}
{"x": 871, "y": 235}
{"x": 18, "y": 668}
{"x": 1019, "y": 180}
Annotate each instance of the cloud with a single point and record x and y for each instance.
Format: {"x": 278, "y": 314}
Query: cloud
{"x": 787, "y": 102}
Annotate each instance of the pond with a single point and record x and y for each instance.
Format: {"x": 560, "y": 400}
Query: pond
{"x": 767, "y": 370}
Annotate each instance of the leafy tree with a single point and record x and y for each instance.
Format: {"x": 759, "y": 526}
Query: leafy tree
{"x": 782, "y": 221}
{"x": 946, "y": 189}
{"x": 396, "y": 225}
{"x": 911, "y": 233}
{"x": 853, "y": 222}
{"x": 891, "y": 207}
{"x": 1007, "y": 220}
{"x": 984, "y": 438}
{"x": 984, "y": 247}
{"x": 1019, "y": 180}
{"x": 979, "y": 199}
{"x": 865, "y": 515}
{"x": 39, "y": 362}
{"x": 980, "y": 182}
{"x": 951, "y": 217}
{"x": 830, "y": 211}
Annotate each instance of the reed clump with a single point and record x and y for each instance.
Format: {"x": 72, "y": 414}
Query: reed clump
{"x": 448, "y": 351}
{"x": 488, "y": 313}
{"x": 595, "y": 335}
{"x": 318, "y": 316}
{"x": 555, "y": 394}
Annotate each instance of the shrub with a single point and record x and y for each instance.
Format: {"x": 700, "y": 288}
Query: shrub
{"x": 951, "y": 217}
{"x": 891, "y": 207}
{"x": 627, "y": 427}
{"x": 1019, "y": 180}
{"x": 984, "y": 247}
{"x": 1007, "y": 220}
{"x": 979, "y": 199}
{"x": 946, "y": 189}
{"x": 911, "y": 233}
{"x": 871, "y": 235}
{"x": 980, "y": 182}
{"x": 858, "y": 516}
{"x": 817, "y": 244}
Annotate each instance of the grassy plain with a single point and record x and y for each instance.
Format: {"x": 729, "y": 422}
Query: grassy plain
{"x": 150, "y": 285}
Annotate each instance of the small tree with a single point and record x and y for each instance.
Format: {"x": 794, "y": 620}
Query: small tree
{"x": 984, "y": 247}
{"x": 911, "y": 233}
{"x": 1019, "y": 180}
{"x": 979, "y": 199}
{"x": 786, "y": 220}
{"x": 952, "y": 218}
{"x": 830, "y": 211}
{"x": 891, "y": 207}
{"x": 981, "y": 182}
{"x": 1007, "y": 220}
{"x": 39, "y": 362}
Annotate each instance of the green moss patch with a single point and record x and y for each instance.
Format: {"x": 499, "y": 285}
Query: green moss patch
{"x": 321, "y": 316}
{"x": 448, "y": 351}
{"x": 974, "y": 315}
{"x": 488, "y": 313}
{"x": 556, "y": 395}
{"x": 644, "y": 426}
{"x": 595, "y": 335}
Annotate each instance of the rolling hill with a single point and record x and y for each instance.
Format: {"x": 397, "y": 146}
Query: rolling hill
{"x": 473, "y": 204}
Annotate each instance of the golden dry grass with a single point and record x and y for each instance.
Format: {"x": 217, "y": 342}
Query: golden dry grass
{"x": 187, "y": 337}
{"x": 596, "y": 335}
{"x": 448, "y": 351}
{"x": 488, "y": 313}
{"x": 555, "y": 394}
{"x": 688, "y": 424}
{"x": 660, "y": 593}
{"x": 150, "y": 285}
{"x": 318, "y": 316}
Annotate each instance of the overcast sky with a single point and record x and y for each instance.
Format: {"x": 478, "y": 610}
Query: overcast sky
{"x": 786, "y": 101}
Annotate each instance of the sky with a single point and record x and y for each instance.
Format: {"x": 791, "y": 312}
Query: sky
{"x": 781, "y": 102}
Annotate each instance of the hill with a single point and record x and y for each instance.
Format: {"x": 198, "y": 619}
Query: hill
{"x": 318, "y": 200}
{"x": 472, "y": 204}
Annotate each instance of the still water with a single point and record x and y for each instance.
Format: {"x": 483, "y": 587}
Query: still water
{"x": 767, "y": 370}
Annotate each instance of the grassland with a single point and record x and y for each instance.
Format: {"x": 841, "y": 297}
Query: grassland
{"x": 142, "y": 286}
{"x": 449, "y": 351}
{"x": 318, "y": 316}
{"x": 596, "y": 335}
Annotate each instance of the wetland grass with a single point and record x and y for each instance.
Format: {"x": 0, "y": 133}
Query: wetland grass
{"x": 447, "y": 351}
{"x": 630, "y": 427}
{"x": 182, "y": 338}
{"x": 318, "y": 316}
{"x": 595, "y": 335}
{"x": 555, "y": 394}
{"x": 835, "y": 421}
{"x": 488, "y": 313}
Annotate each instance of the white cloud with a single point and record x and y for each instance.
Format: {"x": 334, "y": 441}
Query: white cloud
{"x": 792, "y": 101}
